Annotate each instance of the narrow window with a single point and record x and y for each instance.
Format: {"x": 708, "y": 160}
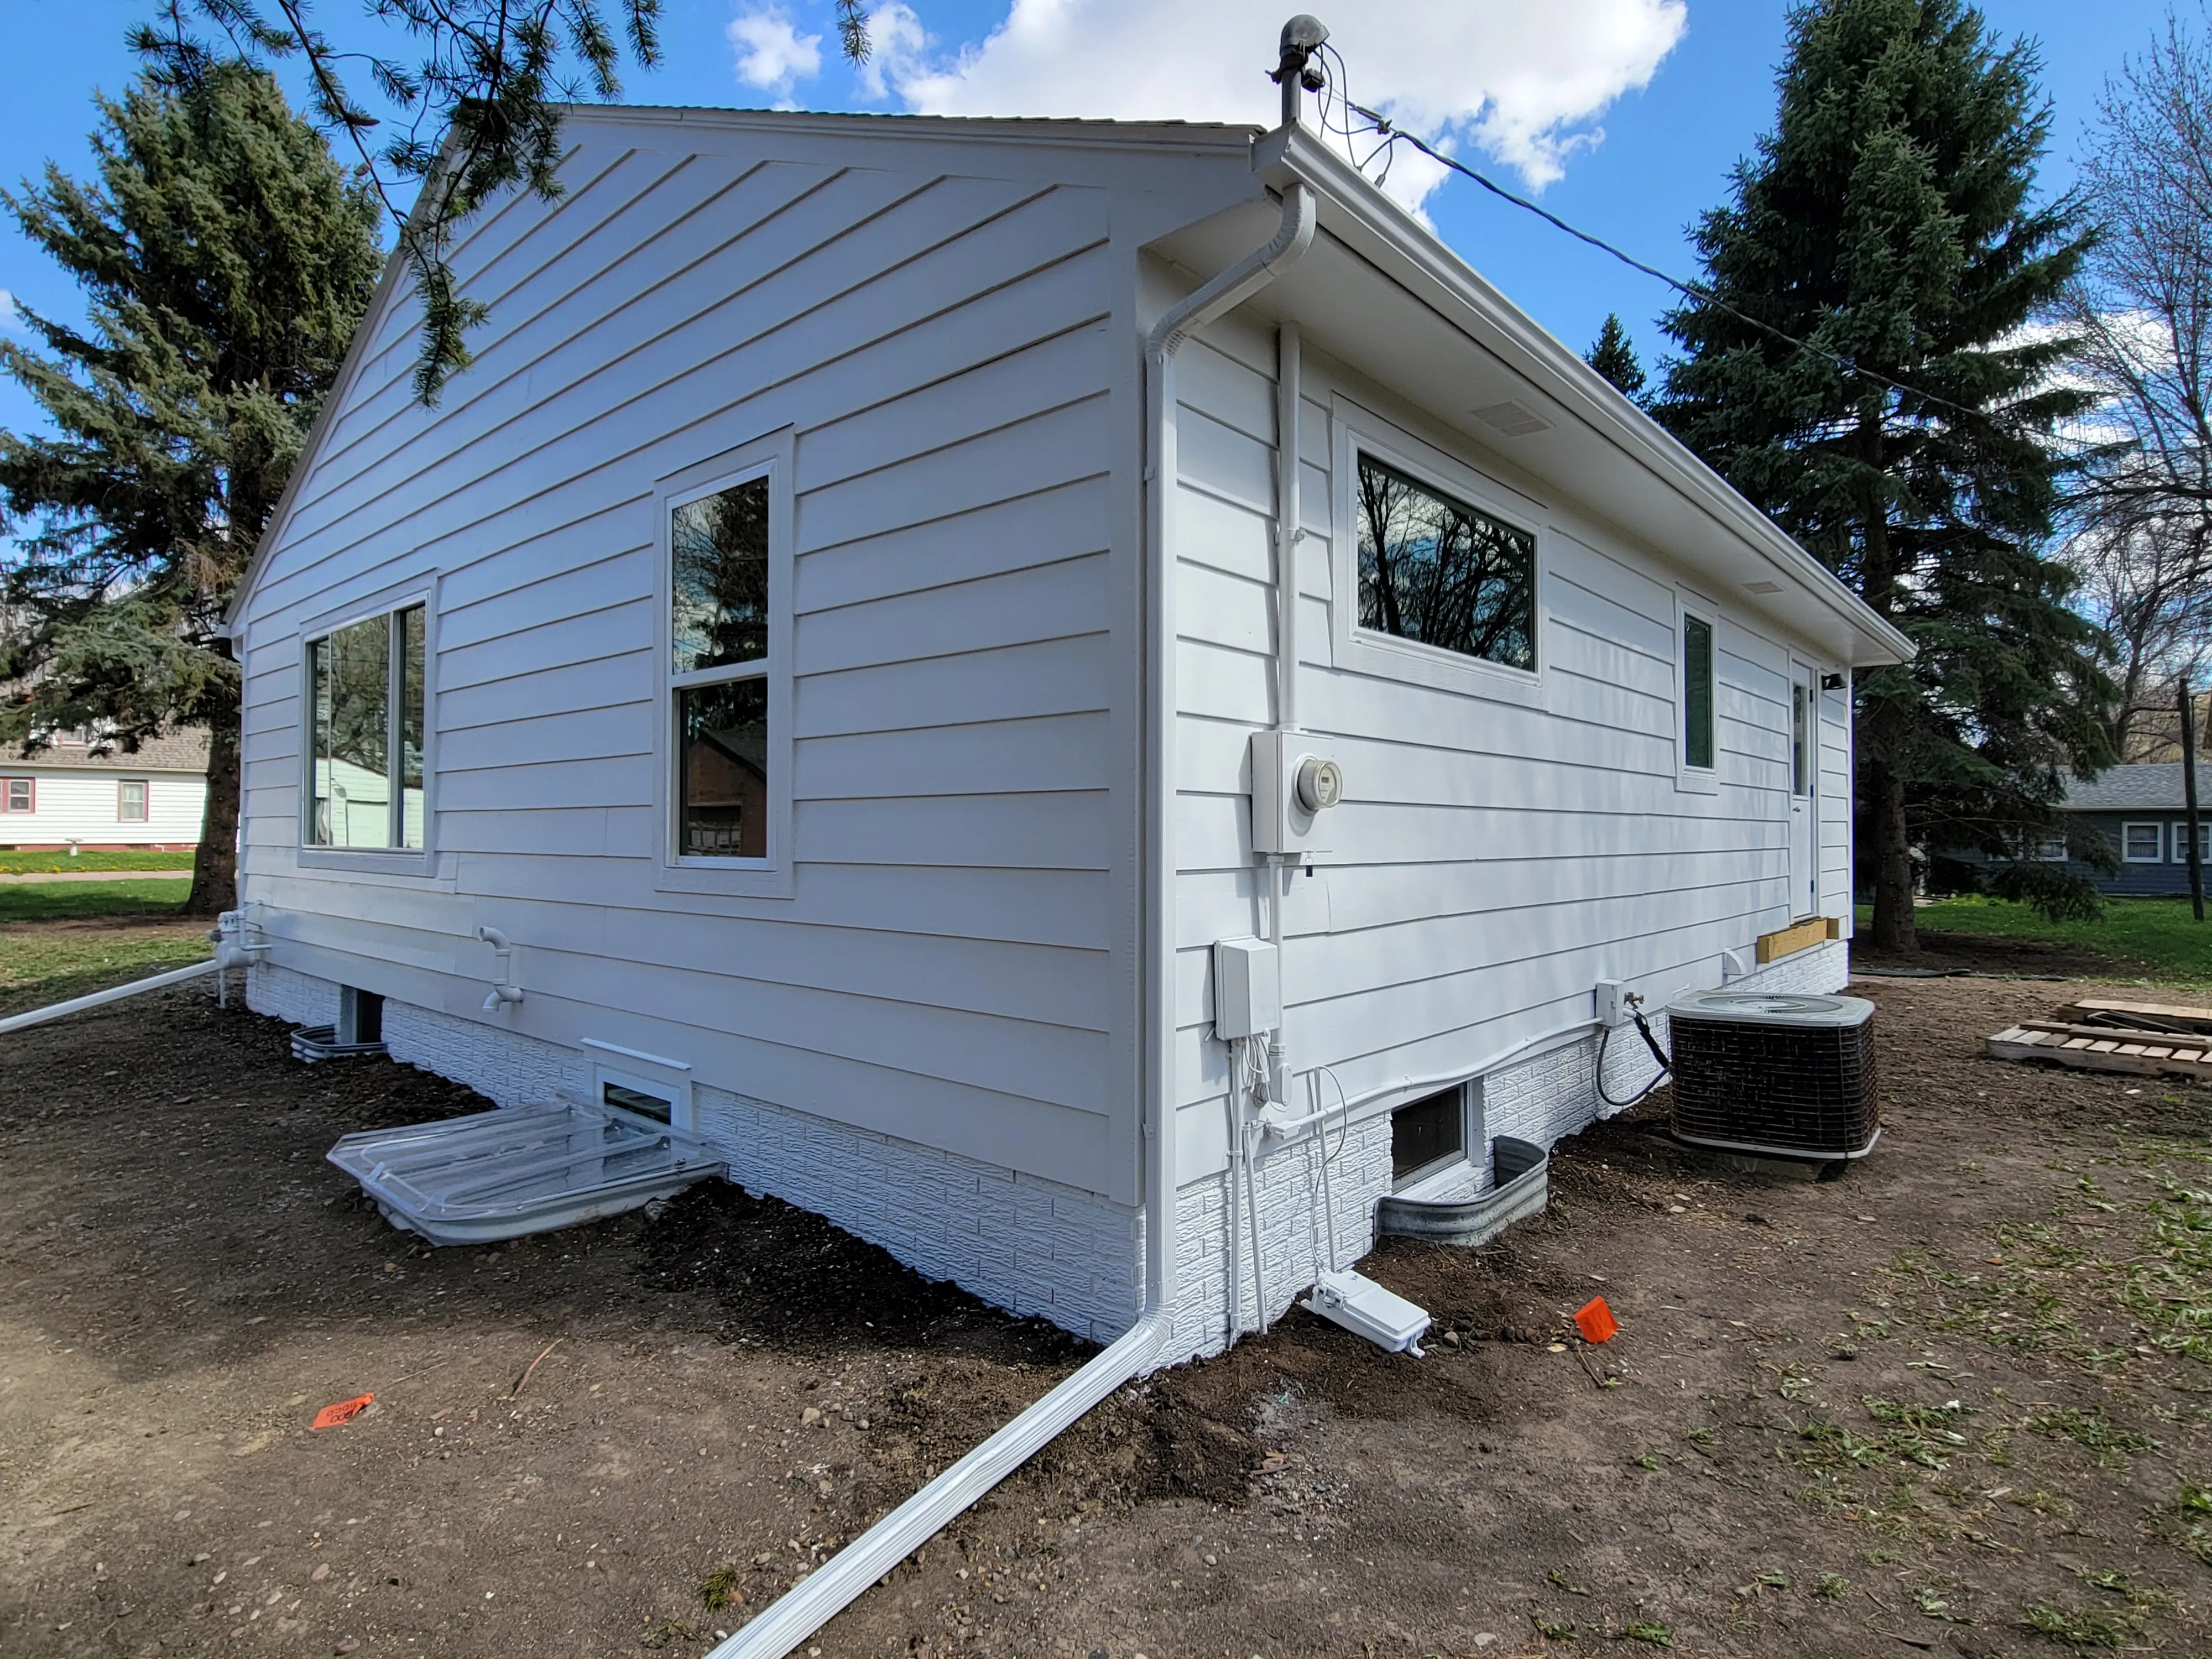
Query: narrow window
{"x": 1436, "y": 570}
{"x": 131, "y": 800}
{"x": 2144, "y": 844}
{"x": 18, "y": 794}
{"x": 1801, "y": 741}
{"x": 718, "y": 547}
{"x": 367, "y": 704}
{"x": 1697, "y": 692}
{"x": 1429, "y": 1132}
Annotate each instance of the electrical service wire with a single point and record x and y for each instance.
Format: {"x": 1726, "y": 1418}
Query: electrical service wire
{"x": 1665, "y": 1064}
{"x": 1336, "y": 82}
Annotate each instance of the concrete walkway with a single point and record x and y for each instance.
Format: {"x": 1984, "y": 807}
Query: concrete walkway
{"x": 34, "y": 876}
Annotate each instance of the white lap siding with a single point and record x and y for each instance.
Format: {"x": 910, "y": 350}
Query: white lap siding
{"x": 1490, "y": 860}
{"x": 953, "y": 968}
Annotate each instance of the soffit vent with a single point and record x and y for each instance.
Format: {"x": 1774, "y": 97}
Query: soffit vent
{"x": 1762, "y": 588}
{"x": 1514, "y": 420}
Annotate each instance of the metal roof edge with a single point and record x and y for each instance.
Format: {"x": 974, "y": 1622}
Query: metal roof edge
{"x": 968, "y": 128}
{"x": 1288, "y": 154}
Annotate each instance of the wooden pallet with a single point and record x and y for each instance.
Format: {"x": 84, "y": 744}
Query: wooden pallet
{"x": 2105, "y": 1048}
{"x": 2164, "y": 1016}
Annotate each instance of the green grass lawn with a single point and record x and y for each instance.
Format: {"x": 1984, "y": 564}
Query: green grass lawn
{"x": 2158, "y": 939}
{"x": 61, "y": 940}
{"x": 121, "y": 858}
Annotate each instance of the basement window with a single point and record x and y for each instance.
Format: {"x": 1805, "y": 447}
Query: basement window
{"x": 664, "y": 1100}
{"x": 366, "y": 701}
{"x": 1427, "y": 1134}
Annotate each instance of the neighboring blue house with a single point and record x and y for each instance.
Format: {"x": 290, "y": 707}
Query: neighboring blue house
{"x": 2139, "y": 809}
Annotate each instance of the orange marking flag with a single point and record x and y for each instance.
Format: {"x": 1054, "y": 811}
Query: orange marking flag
{"x": 345, "y": 1412}
{"x": 1596, "y": 1320}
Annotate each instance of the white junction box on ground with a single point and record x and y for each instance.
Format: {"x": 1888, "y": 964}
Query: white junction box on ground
{"x": 1360, "y": 1305}
{"x": 1248, "y": 988}
{"x": 1295, "y": 780}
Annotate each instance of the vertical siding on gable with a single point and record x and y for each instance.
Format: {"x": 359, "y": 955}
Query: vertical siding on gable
{"x": 1491, "y": 860}
{"x": 942, "y": 345}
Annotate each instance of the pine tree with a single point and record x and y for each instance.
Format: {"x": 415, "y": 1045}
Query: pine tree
{"x": 1614, "y": 357}
{"x": 226, "y": 260}
{"x": 1889, "y": 220}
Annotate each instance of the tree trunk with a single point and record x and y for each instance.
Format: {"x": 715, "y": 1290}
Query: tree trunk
{"x": 1895, "y": 933}
{"x": 214, "y": 867}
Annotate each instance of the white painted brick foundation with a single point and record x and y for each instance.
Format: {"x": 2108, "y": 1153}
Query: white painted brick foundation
{"x": 1027, "y": 1244}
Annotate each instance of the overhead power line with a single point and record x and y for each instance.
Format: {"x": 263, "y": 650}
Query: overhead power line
{"x": 1389, "y": 134}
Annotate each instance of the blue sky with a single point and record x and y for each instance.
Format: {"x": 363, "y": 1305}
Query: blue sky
{"x": 1628, "y": 113}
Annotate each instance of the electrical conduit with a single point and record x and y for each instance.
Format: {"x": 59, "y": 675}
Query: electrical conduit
{"x": 819, "y": 1597}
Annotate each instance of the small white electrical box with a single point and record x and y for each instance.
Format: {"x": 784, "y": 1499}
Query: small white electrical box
{"x": 1360, "y": 1305}
{"x": 1612, "y": 1002}
{"x": 1248, "y": 988}
{"x": 1295, "y": 780}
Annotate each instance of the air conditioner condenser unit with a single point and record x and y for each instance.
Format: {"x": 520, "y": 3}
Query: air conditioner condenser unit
{"x": 1775, "y": 1075}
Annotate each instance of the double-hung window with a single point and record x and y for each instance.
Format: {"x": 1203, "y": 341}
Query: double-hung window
{"x": 718, "y": 672}
{"x": 2144, "y": 843}
{"x": 19, "y": 795}
{"x": 365, "y": 707}
{"x": 131, "y": 800}
{"x": 725, "y": 666}
{"x": 2203, "y": 841}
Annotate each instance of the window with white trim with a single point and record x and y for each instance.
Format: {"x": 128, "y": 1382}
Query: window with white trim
{"x": 2143, "y": 843}
{"x": 718, "y": 625}
{"x": 1440, "y": 573}
{"x": 19, "y": 795}
{"x": 131, "y": 800}
{"x": 366, "y": 733}
{"x": 2049, "y": 849}
{"x": 2203, "y": 841}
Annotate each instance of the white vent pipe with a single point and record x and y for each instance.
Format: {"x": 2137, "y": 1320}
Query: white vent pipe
{"x": 823, "y": 1594}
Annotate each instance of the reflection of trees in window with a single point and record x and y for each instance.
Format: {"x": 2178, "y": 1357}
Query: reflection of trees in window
{"x": 353, "y": 695}
{"x": 722, "y": 736}
{"x": 719, "y": 549}
{"x": 1436, "y": 570}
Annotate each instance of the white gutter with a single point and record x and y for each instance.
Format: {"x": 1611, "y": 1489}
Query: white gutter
{"x": 839, "y": 1580}
{"x": 98, "y": 999}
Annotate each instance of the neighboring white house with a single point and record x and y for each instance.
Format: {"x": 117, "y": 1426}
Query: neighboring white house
{"x": 798, "y": 633}
{"x": 73, "y": 790}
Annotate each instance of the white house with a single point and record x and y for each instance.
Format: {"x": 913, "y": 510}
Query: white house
{"x": 77, "y": 790}
{"x": 836, "y": 630}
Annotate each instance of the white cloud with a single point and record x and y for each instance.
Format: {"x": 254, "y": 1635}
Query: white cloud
{"x": 771, "y": 52}
{"x": 1520, "y": 82}
{"x": 900, "y": 50}
{"x": 7, "y": 311}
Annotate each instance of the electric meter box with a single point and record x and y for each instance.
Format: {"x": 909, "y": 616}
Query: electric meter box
{"x": 1296, "y": 779}
{"x": 1248, "y": 988}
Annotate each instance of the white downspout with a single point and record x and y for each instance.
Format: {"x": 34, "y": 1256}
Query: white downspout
{"x": 821, "y": 1596}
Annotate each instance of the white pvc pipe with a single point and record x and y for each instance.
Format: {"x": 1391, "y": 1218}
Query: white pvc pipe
{"x": 78, "y": 1004}
{"x": 819, "y": 1597}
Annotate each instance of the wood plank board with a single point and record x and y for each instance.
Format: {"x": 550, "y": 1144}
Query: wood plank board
{"x": 2143, "y": 1053}
{"x": 2158, "y": 1016}
{"x": 1788, "y": 941}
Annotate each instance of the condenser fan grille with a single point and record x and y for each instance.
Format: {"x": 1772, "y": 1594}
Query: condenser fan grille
{"x": 1759, "y": 1083}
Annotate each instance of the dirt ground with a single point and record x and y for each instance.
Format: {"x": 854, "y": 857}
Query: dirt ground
{"x": 1960, "y": 1401}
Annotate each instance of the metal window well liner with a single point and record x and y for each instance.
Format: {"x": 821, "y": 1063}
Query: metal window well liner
{"x": 1775, "y": 1075}
{"x": 310, "y": 1043}
{"x": 1521, "y": 1182}
{"x": 520, "y": 1169}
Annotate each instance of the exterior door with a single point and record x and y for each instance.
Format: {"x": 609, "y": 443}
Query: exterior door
{"x": 1804, "y": 783}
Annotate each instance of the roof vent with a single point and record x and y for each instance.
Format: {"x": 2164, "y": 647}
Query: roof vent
{"x": 1514, "y": 420}
{"x": 1762, "y": 588}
